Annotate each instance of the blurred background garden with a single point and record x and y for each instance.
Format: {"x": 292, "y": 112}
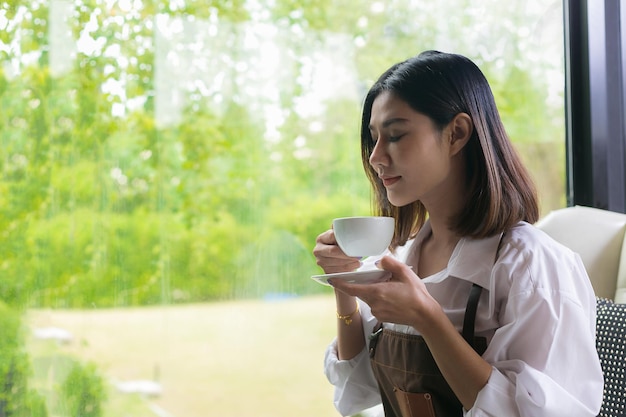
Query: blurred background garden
{"x": 167, "y": 164}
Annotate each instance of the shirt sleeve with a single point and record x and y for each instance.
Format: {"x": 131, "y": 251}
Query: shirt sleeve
{"x": 356, "y": 388}
{"x": 544, "y": 359}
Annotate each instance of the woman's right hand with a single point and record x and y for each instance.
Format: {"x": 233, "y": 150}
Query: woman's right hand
{"x": 350, "y": 338}
{"x": 330, "y": 257}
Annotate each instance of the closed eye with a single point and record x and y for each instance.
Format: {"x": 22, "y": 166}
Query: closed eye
{"x": 373, "y": 138}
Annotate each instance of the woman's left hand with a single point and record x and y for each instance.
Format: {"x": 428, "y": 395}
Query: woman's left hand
{"x": 403, "y": 299}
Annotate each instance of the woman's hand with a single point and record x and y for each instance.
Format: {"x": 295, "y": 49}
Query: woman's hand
{"x": 330, "y": 257}
{"x": 403, "y": 299}
{"x": 350, "y": 338}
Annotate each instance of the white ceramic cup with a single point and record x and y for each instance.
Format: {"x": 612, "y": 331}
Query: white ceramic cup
{"x": 365, "y": 235}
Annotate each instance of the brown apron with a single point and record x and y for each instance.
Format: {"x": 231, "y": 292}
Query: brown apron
{"x": 409, "y": 380}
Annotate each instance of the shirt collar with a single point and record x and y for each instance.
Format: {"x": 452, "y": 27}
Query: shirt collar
{"x": 472, "y": 259}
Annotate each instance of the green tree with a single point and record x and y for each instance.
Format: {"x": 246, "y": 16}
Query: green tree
{"x": 83, "y": 392}
{"x": 17, "y": 399}
{"x": 108, "y": 199}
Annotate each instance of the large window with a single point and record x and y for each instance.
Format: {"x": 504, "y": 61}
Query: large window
{"x": 166, "y": 167}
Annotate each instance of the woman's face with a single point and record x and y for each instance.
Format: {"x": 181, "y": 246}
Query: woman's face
{"x": 411, "y": 156}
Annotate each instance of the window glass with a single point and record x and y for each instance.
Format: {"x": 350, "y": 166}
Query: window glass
{"x": 167, "y": 164}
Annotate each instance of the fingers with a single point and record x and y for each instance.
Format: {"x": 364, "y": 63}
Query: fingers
{"x": 355, "y": 290}
{"x": 336, "y": 265}
{"x": 327, "y": 238}
{"x": 391, "y": 300}
{"x": 400, "y": 273}
{"x": 398, "y": 269}
{"x": 330, "y": 257}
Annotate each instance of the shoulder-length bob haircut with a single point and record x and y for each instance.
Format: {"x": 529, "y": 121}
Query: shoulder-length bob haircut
{"x": 500, "y": 192}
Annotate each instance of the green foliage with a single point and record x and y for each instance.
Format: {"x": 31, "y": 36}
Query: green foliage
{"x": 324, "y": 15}
{"x": 106, "y": 203}
{"x": 83, "y": 391}
{"x": 66, "y": 384}
{"x": 17, "y": 399}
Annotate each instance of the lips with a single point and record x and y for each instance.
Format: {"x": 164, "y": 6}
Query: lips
{"x": 388, "y": 181}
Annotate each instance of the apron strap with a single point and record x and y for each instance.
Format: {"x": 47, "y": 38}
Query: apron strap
{"x": 468, "y": 321}
{"x": 472, "y": 305}
{"x": 470, "y": 314}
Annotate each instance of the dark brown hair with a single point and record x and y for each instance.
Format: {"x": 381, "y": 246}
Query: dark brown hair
{"x": 439, "y": 85}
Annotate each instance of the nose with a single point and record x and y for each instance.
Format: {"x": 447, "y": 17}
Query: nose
{"x": 379, "y": 157}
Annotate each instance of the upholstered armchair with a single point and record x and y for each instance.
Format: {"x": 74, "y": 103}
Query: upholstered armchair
{"x": 598, "y": 236}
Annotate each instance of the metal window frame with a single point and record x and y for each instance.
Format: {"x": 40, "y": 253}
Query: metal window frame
{"x": 595, "y": 93}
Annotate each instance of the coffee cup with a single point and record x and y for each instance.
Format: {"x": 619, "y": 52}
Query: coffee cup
{"x": 364, "y": 235}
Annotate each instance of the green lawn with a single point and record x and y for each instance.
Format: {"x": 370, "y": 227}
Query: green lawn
{"x": 230, "y": 359}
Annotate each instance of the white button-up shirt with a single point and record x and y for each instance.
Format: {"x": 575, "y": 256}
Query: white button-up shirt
{"x": 537, "y": 311}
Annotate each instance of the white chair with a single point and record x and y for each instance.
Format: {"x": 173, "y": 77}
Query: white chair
{"x": 597, "y": 236}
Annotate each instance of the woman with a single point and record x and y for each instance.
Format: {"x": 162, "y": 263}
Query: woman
{"x": 484, "y": 315}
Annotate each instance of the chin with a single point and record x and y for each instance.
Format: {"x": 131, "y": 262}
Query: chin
{"x": 400, "y": 202}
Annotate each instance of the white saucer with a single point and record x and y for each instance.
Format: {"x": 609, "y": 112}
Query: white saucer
{"x": 356, "y": 277}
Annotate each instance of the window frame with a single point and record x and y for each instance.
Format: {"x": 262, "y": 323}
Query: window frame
{"x": 595, "y": 93}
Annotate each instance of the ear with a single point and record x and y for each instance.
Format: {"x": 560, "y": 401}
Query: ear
{"x": 460, "y": 130}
